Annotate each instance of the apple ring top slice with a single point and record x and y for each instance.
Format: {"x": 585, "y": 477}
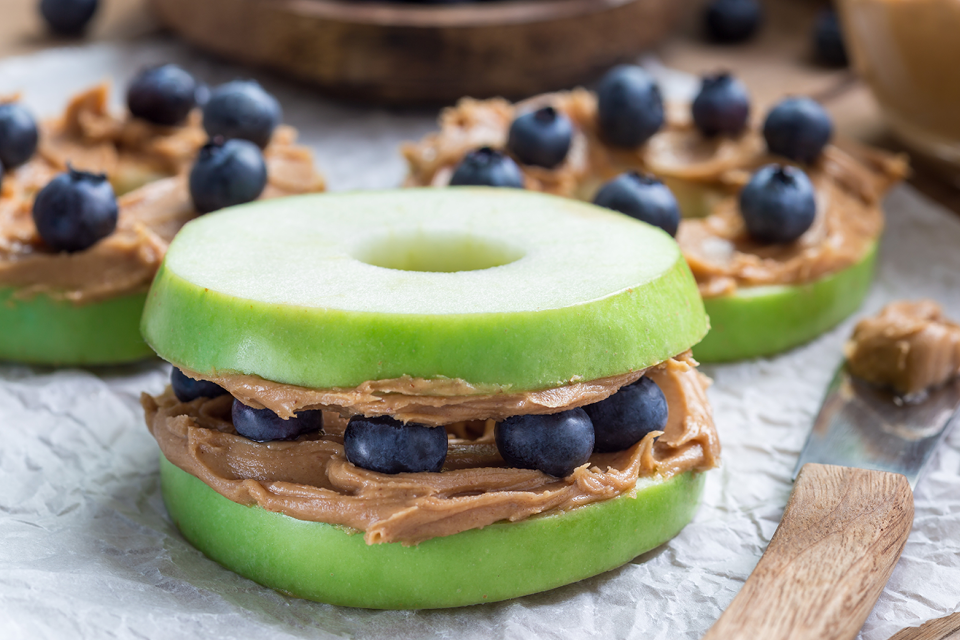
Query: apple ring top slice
{"x": 505, "y": 290}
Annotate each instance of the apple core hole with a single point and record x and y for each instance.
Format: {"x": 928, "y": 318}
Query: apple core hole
{"x": 435, "y": 250}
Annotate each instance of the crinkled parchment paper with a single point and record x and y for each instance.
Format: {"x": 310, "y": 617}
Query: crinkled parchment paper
{"x": 87, "y": 550}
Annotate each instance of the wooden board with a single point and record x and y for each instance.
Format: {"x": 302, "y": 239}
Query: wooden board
{"x": 407, "y": 53}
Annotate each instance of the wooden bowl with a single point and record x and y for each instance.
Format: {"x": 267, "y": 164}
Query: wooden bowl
{"x": 404, "y": 53}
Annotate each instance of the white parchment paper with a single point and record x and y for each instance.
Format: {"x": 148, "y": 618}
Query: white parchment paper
{"x": 87, "y": 550}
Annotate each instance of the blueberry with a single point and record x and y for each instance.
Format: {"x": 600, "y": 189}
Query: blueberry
{"x": 187, "y": 389}
{"x": 242, "y": 109}
{"x": 778, "y": 204}
{"x": 731, "y": 21}
{"x": 68, "y": 17}
{"x": 541, "y": 137}
{"x": 386, "y": 445}
{"x": 629, "y": 106}
{"x": 828, "y": 47}
{"x": 555, "y": 444}
{"x": 75, "y": 210}
{"x": 797, "y": 128}
{"x": 162, "y": 95}
{"x": 722, "y": 106}
{"x": 487, "y": 167}
{"x": 263, "y": 425}
{"x": 642, "y": 197}
{"x": 202, "y": 94}
{"x": 18, "y": 135}
{"x": 226, "y": 174}
{"x": 623, "y": 419}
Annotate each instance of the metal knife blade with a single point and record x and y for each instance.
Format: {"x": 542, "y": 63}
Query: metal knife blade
{"x": 860, "y": 425}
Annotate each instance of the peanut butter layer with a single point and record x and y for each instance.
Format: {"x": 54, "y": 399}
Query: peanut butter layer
{"x": 705, "y": 173}
{"x": 909, "y": 346}
{"x": 310, "y": 479}
{"x": 129, "y": 150}
{"x": 435, "y": 402}
{"x": 133, "y": 153}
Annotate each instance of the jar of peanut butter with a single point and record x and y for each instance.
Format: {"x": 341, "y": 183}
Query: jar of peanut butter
{"x": 908, "y": 52}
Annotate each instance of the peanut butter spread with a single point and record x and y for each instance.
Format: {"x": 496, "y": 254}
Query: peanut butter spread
{"x": 310, "y": 479}
{"x": 434, "y": 402}
{"x": 705, "y": 174}
{"x": 909, "y": 346}
{"x": 129, "y": 150}
{"x": 133, "y": 153}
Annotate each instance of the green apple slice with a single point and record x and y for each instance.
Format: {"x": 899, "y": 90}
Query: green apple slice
{"x": 505, "y": 560}
{"x": 762, "y": 321}
{"x": 501, "y": 288}
{"x": 46, "y": 331}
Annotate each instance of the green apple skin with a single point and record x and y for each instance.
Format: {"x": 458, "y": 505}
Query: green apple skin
{"x": 45, "y": 331}
{"x": 640, "y": 321}
{"x": 181, "y": 320}
{"x": 333, "y": 564}
{"x": 763, "y": 321}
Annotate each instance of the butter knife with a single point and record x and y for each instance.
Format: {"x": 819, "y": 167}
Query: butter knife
{"x": 848, "y": 517}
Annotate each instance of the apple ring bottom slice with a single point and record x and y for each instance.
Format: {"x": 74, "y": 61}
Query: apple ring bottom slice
{"x": 763, "y": 321}
{"x": 43, "y": 330}
{"x": 333, "y": 564}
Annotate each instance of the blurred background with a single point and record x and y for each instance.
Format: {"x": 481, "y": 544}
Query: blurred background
{"x": 428, "y": 54}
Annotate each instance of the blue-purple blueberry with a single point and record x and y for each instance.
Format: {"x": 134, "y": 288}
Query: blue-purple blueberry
{"x": 202, "y": 94}
{"x": 263, "y": 425}
{"x": 187, "y": 389}
{"x": 778, "y": 204}
{"x": 75, "y": 210}
{"x": 486, "y": 167}
{"x": 242, "y": 109}
{"x": 643, "y": 197}
{"x": 629, "y": 106}
{"x": 798, "y": 129}
{"x": 18, "y": 135}
{"x": 162, "y": 95}
{"x": 68, "y": 17}
{"x": 386, "y": 445}
{"x": 828, "y": 46}
{"x": 555, "y": 444}
{"x": 722, "y": 106}
{"x": 541, "y": 137}
{"x": 732, "y": 21}
{"x": 626, "y": 417}
{"x": 227, "y": 174}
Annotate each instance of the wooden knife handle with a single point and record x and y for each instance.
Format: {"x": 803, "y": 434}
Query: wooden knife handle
{"x": 945, "y": 628}
{"x": 842, "y": 533}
